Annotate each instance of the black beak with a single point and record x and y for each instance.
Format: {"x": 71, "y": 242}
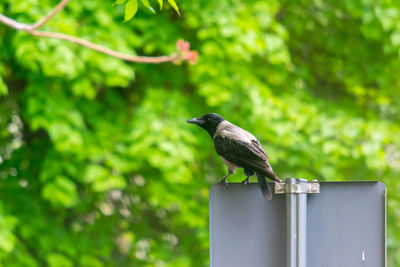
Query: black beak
{"x": 197, "y": 121}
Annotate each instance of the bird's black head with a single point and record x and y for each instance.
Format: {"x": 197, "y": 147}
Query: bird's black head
{"x": 208, "y": 122}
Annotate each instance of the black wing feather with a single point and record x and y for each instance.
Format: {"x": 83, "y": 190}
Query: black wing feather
{"x": 246, "y": 155}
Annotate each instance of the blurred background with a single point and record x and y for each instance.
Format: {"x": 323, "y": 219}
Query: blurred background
{"x": 97, "y": 164}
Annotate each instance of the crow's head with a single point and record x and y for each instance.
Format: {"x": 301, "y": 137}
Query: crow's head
{"x": 208, "y": 122}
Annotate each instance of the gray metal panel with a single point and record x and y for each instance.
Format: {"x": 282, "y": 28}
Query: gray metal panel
{"x": 343, "y": 221}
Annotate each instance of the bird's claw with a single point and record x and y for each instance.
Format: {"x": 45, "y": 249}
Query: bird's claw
{"x": 224, "y": 181}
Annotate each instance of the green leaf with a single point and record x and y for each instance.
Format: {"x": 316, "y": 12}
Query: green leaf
{"x": 84, "y": 88}
{"x": 61, "y": 192}
{"x": 95, "y": 172}
{"x": 7, "y": 238}
{"x": 58, "y": 260}
{"x": 108, "y": 183}
{"x": 89, "y": 261}
{"x": 146, "y": 3}
{"x": 174, "y": 5}
{"x": 160, "y": 3}
{"x": 3, "y": 87}
{"x": 101, "y": 178}
{"x": 119, "y": 2}
{"x": 130, "y": 9}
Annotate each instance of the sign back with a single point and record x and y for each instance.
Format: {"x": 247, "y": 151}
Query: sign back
{"x": 346, "y": 226}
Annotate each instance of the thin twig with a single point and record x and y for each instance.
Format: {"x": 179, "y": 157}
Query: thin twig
{"x": 103, "y": 49}
{"x": 14, "y": 24}
{"x": 32, "y": 30}
{"x": 55, "y": 10}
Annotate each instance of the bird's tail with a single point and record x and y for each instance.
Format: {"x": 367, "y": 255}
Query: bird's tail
{"x": 271, "y": 174}
{"x": 265, "y": 190}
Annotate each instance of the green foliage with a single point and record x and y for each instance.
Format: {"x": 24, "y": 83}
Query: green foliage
{"x": 130, "y": 9}
{"x": 3, "y": 86}
{"x": 174, "y": 6}
{"x": 7, "y": 238}
{"x": 97, "y": 164}
{"x": 131, "y": 6}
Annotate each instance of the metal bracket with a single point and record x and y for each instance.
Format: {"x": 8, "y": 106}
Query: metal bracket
{"x": 306, "y": 188}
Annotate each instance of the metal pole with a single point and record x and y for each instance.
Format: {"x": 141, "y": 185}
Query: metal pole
{"x": 296, "y": 225}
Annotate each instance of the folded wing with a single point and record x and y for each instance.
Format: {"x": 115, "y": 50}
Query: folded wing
{"x": 249, "y": 155}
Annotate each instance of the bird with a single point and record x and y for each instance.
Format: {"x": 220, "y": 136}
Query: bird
{"x": 238, "y": 148}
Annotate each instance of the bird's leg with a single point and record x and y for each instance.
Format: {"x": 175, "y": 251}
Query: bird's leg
{"x": 246, "y": 181}
{"x": 224, "y": 181}
{"x": 248, "y": 174}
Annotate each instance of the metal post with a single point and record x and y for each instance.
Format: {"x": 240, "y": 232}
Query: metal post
{"x": 296, "y": 191}
{"x": 296, "y": 225}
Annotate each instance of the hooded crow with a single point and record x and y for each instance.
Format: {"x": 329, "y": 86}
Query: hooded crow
{"x": 238, "y": 149}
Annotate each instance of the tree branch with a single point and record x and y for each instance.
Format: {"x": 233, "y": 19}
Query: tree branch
{"x": 181, "y": 55}
{"x": 55, "y": 10}
{"x": 14, "y": 24}
{"x": 105, "y": 50}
